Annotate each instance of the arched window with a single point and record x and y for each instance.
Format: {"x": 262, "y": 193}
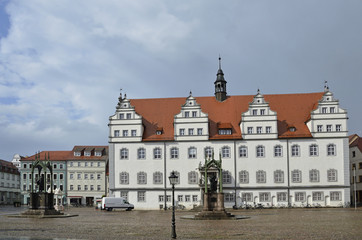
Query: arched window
{"x": 278, "y": 176}
{"x": 123, "y": 178}
{"x": 208, "y": 152}
{"x": 174, "y": 152}
{"x": 225, "y": 152}
{"x": 244, "y": 176}
{"x": 142, "y": 178}
{"x": 331, "y": 150}
{"x": 157, "y": 178}
{"x": 313, "y": 150}
{"x": 124, "y": 153}
{"x": 243, "y": 151}
{"x": 192, "y": 177}
{"x": 192, "y": 153}
{"x": 261, "y": 176}
{"x": 296, "y": 176}
{"x": 226, "y": 177}
{"x": 260, "y": 151}
{"x": 332, "y": 175}
{"x": 278, "y": 151}
{"x": 141, "y": 153}
{"x": 157, "y": 153}
{"x": 314, "y": 175}
{"x": 295, "y": 150}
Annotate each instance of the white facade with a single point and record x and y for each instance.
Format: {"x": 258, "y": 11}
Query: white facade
{"x": 263, "y": 166}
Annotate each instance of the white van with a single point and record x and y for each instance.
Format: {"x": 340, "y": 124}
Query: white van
{"x": 108, "y": 203}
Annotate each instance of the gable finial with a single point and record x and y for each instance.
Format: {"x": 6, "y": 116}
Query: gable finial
{"x": 219, "y": 61}
{"x": 190, "y": 93}
{"x": 326, "y": 88}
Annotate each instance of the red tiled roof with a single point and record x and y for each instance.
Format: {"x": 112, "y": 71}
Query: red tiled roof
{"x": 8, "y": 167}
{"x": 356, "y": 142}
{"x": 53, "y": 156}
{"x": 292, "y": 110}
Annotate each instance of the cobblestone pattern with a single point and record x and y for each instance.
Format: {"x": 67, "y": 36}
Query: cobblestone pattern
{"x": 263, "y": 224}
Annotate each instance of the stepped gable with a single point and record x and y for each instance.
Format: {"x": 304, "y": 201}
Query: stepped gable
{"x": 293, "y": 110}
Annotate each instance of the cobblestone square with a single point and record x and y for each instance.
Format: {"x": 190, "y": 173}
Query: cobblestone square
{"x": 322, "y": 223}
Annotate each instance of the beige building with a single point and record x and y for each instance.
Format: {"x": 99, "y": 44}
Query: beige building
{"x": 86, "y": 178}
{"x": 355, "y": 156}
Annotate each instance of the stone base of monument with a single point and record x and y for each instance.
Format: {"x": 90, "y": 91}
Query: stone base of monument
{"x": 213, "y": 209}
{"x": 41, "y": 206}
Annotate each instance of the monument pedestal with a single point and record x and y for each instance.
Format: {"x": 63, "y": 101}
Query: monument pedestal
{"x": 42, "y": 204}
{"x": 213, "y": 208}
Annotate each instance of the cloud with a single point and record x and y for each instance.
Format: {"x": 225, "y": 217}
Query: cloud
{"x": 62, "y": 63}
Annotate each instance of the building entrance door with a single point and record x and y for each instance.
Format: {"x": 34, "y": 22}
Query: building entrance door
{"x": 89, "y": 201}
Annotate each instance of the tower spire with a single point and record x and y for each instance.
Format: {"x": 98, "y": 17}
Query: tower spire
{"x": 220, "y": 84}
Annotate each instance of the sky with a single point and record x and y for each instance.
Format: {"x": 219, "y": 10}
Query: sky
{"x": 63, "y": 63}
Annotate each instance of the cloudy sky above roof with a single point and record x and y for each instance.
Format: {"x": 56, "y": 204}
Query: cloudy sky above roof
{"x": 62, "y": 63}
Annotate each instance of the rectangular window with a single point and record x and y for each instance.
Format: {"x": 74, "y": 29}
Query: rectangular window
{"x": 125, "y": 133}
{"x": 329, "y": 128}
{"x": 85, "y": 187}
{"x": 91, "y": 176}
{"x": 71, "y": 176}
{"x": 141, "y": 196}
{"x": 187, "y": 114}
{"x": 255, "y": 112}
{"x": 161, "y": 198}
{"x": 79, "y": 188}
{"x": 319, "y": 128}
{"x": 194, "y": 113}
{"x": 98, "y": 176}
{"x": 86, "y": 163}
{"x": 247, "y": 197}
{"x": 324, "y": 110}
{"x": 121, "y": 116}
{"x": 187, "y": 198}
{"x": 129, "y": 115}
{"x": 338, "y": 127}
{"x": 71, "y": 187}
{"x": 317, "y": 196}
{"x": 91, "y": 187}
{"x": 195, "y": 198}
{"x": 79, "y": 176}
{"x": 281, "y": 196}
{"x": 124, "y": 194}
{"x": 331, "y": 109}
{"x": 243, "y": 151}
{"x": 199, "y": 131}
{"x": 61, "y": 176}
{"x": 182, "y": 131}
{"x": 98, "y": 187}
{"x": 264, "y": 197}
{"x": 134, "y": 133}
{"x": 157, "y": 153}
{"x": 268, "y": 129}
{"x": 258, "y": 130}
{"x": 336, "y": 196}
{"x": 229, "y": 197}
{"x": 300, "y": 196}
{"x": 250, "y": 130}
{"x": 86, "y": 176}
{"x": 168, "y": 198}
{"x": 262, "y": 111}
{"x": 180, "y": 198}
{"x": 191, "y": 131}
{"x": 55, "y": 176}
{"x": 192, "y": 152}
{"x": 260, "y": 176}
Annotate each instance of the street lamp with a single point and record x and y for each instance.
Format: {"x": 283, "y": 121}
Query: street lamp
{"x": 173, "y": 180}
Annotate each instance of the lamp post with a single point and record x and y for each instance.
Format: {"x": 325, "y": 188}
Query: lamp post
{"x": 173, "y": 180}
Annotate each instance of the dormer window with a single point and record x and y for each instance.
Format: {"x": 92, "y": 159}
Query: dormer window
{"x": 77, "y": 154}
{"x": 98, "y": 154}
{"x": 159, "y": 131}
{"x": 224, "y": 131}
{"x": 292, "y": 129}
{"x": 87, "y": 154}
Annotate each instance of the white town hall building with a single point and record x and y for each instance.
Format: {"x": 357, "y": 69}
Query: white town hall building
{"x": 277, "y": 150}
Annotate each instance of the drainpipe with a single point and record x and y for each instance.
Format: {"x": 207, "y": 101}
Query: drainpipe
{"x": 289, "y": 203}
{"x": 164, "y": 176}
{"x": 235, "y": 172}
